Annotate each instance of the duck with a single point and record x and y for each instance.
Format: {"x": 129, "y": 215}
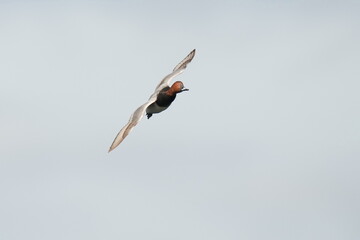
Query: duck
{"x": 159, "y": 101}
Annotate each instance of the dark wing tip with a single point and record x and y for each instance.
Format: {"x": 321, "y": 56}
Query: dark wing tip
{"x": 185, "y": 61}
{"x": 191, "y": 55}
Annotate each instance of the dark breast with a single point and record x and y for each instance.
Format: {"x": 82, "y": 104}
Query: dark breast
{"x": 163, "y": 99}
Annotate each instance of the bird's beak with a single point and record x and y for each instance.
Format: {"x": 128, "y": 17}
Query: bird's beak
{"x": 184, "y": 89}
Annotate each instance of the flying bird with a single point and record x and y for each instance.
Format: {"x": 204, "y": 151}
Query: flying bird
{"x": 160, "y": 100}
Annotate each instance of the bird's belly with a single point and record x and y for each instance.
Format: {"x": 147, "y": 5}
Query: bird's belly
{"x": 162, "y": 102}
{"x": 155, "y": 108}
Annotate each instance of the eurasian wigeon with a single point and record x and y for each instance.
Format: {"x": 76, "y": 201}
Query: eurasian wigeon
{"x": 160, "y": 100}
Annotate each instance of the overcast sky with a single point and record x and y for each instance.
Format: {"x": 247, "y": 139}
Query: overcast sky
{"x": 265, "y": 145}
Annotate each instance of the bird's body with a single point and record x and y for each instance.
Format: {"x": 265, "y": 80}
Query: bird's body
{"x": 164, "y": 99}
{"x": 160, "y": 100}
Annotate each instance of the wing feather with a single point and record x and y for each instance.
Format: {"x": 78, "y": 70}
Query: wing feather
{"x": 133, "y": 121}
{"x": 185, "y": 61}
{"x": 177, "y": 70}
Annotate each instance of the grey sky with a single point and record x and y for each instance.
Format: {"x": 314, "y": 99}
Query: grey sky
{"x": 265, "y": 145}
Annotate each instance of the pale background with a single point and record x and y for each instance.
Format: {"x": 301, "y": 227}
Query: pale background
{"x": 265, "y": 145}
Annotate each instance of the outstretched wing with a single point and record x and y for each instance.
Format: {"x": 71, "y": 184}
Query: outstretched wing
{"x": 185, "y": 61}
{"x": 133, "y": 121}
{"x": 177, "y": 70}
